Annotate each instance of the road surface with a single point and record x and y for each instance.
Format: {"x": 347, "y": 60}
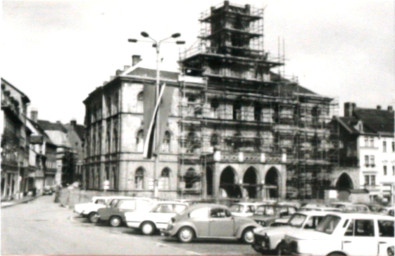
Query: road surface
{"x": 43, "y": 227}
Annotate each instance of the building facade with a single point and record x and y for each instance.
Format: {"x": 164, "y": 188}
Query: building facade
{"x": 15, "y": 172}
{"x": 236, "y": 128}
{"x": 367, "y": 156}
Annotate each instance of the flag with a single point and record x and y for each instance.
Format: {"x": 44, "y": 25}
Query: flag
{"x": 155, "y": 115}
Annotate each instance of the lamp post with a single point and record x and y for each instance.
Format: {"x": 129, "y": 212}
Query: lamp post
{"x": 156, "y": 44}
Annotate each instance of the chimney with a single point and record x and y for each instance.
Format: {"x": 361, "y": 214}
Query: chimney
{"x": 118, "y": 72}
{"x": 349, "y": 108}
{"x": 378, "y": 107}
{"x": 34, "y": 115}
{"x": 390, "y": 109}
{"x": 73, "y": 123}
{"x": 135, "y": 59}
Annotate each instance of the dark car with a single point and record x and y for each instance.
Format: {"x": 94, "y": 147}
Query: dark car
{"x": 210, "y": 221}
{"x": 266, "y": 214}
{"x": 114, "y": 214}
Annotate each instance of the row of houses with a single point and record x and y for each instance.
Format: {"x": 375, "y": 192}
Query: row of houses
{"x": 35, "y": 153}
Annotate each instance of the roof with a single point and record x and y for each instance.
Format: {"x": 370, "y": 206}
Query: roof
{"x": 79, "y": 129}
{"x": 376, "y": 120}
{"x": 48, "y": 126}
{"x": 9, "y": 84}
{"x": 373, "y": 120}
{"x": 151, "y": 73}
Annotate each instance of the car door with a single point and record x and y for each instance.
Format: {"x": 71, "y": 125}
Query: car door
{"x": 199, "y": 218}
{"x": 221, "y": 223}
{"x": 359, "y": 238}
{"x": 386, "y": 237}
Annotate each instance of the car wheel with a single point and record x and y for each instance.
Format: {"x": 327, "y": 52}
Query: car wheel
{"x": 248, "y": 236}
{"x": 147, "y": 228}
{"x": 115, "y": 221}
{"x": 186, "y": 235}
{"x": 93, "y": 217}
{"x": 280, "y": 249}
{"x": 336, "y": 254}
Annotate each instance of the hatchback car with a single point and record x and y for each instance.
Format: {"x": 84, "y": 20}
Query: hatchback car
{"x": 115, "y": 212}
{"x": 244, "y": 209}
{"x": 343, "y": 234}
{"x": 210, "y": 221}
{"x": 156, "y": 219}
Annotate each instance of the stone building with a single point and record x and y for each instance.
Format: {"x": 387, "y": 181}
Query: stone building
{"x": 236, "y": 128}
{"x": 15, "y": 173}
{"x": 367, "y": 153}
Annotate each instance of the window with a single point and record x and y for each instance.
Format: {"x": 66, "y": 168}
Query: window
{"x": 164, "y": 208}
{"x": 127, "y": 204}
{"x": 164, "y": 181}
{"x": 385, "y": 170}
{"x": 139, "y": 179}
{"x": 366, "y": 179}
{"x": 297, "y": 220}
{"x": 179, "y": 208}
{"x": 367, "y": 161}
{"x": 393, "y": 146}
{"x": 140, "y": 141}
{"x": 237, "y": 111}
{"x": 373, "y": 180}
{"x": 214, "y": 139}
{"x": 393, "y": 170}
{"x": 386, "y": 228}
{"x": 201, "y": 213}
{"x": 360, "y": 228}
{"x": 219, "y": 213}
{"x": 384, "y": 146}
{"x": 257, "y": 112}
{"x": 366, "y": 142}
{"x": 166, "y": 142}
{"x": 328, "y": 224}
{"x": 140, "y": 102}
{"x": 214, "y": 108}
{"x": 190, "y": 178}
{"x": 372, "y": 164}
{"x": 372, "y": 142}
{"x": 312, "y": 222}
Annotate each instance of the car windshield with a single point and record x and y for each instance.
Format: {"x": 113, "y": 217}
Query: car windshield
{"x": 236, "y": 208}
{"x": 297, "y": 220}
{"x": 265, "y": 210}
{"x": 328, "y": 224}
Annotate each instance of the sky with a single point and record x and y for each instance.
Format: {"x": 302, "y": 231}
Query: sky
{"x": 58, "y": 51}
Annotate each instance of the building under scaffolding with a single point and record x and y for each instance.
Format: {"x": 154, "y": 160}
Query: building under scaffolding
{"x": 250, "y": 131}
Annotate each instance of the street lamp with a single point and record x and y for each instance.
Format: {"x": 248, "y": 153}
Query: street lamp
{"x": 156, "y": 45}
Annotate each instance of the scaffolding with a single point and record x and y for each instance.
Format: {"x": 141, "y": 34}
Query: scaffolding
{"x": 241, "y": 105}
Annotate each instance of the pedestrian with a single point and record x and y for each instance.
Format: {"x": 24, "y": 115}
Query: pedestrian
{"x": 57, "y": 194}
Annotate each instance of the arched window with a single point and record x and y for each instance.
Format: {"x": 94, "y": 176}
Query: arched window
{"x": 139, "y": 178}
{"x": 257, "y": 112}
{"x": 214, "y": 139}
{"x": 164, "y": 180}
{"x": 140, "y": 102}
{"x": 140, "y": 141}
{"x": 192, "y": 142}
{"x": 166, "y": 142}
{"x": 190, "y": 178}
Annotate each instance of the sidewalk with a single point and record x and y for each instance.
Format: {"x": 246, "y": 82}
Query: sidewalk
{"x": 15, "y": 202}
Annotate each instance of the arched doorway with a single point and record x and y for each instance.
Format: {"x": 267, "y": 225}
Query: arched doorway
{"x": 272, "y": 183}
{"x": 344, "y": 182}
{"x": 209, "y": 181}
{"x": 228, "y": 183}
{"x": 250, "y": 181}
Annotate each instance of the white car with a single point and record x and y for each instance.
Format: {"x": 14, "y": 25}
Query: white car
{"x": 156, "y": 219}
{"x": 267, "y": 239}
{"x": 245, "y": 209}
{"x": 90, "y": 209}
{"x": 343, "y": 234}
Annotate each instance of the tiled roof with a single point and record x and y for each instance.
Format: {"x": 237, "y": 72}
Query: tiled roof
{"x": 376, "y": 120}
{"x": 48, "y": 126}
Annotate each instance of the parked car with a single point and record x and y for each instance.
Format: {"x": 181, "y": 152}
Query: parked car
{"x": 350, "y": 207}
{"x": 266, "y": 214}
{"x": 210, "y": 221}
{"x": 319, "y": 207}
{"x": 89, "y": 210}
{"x": 114, "y": 214}
{"x": 343, "y": 234}
{"x": 48, "y": 190}
{"x": 156, "y": 219}
{"x": 244, "y": 209}
{"x": 267, "y": 239}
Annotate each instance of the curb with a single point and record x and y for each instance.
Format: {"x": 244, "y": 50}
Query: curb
{"x": 23, "y": 201}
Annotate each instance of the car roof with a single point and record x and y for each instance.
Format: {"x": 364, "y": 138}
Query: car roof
{"x": 362, "y": 215}
{"x": 197, "y": 206}
{"x": 316, "y": 213}
{"x": 171, "y": 202}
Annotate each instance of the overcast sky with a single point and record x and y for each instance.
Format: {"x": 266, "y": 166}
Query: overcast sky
{"x": 58, "y": 51}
